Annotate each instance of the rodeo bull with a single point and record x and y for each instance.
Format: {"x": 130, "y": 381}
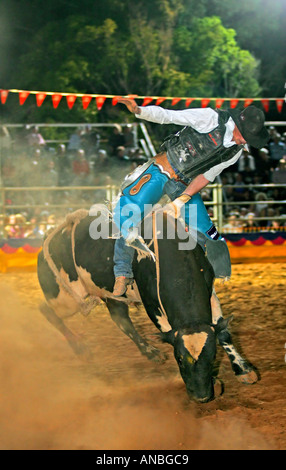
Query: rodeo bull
{"x": 75, "y": 272}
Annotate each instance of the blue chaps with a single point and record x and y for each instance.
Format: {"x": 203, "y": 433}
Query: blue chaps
{"x": 139, "y": 196}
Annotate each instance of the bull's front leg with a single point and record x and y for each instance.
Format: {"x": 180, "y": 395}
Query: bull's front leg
{"x": 244, "y": 371}
{"x": 120, "y": 315}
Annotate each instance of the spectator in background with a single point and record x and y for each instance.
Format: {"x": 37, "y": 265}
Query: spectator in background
{"x": 16, "y": 226}
{"x": 81, "y": 169}
{"x": 35, "y": 139}
{"x": 263, "y": 165}
{"x": 74, "y": 144}
{"x": 250, "y": 224}
{"x": 279, "y": 174}
{"x": 240, "y": 187}
{"x": 261, "y": 207}
{"x": 51, "y": 175}
{"x": 90, "y": 140}
{"x": 5, "y": 141}
{"x": 233, "y": 224}
{"x": 116, "y": 140}
{"x": 277, "y": 150}
{"x": 246, "y": 166}
{"x": 63, "y": 165}
{"x": 129, "y": 139}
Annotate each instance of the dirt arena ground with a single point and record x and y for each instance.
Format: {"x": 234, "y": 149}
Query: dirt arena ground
{"x": 120, "y": 400}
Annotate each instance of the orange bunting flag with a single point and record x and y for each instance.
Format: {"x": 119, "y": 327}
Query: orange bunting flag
{"x": 70, "y": 100}
{"x": 279, "y": 104}
{"x": 159, "y": 101}
{"x": 147, "y": 101}
{"x": 205, "y": 102}
{"x": 189, "y": 101}
{"x": 233, "y": 103}
{"x": 100, "y": 102}
{"x": 85, "y": 101}
{"x": 265, "y": 104}
{"x": 4, "y": 96}
{"x": 219, "y": 102}
{"x": 40, "y": 98}
{"x": 23, "y": 95}
{"x": 247, "y": 102}
{"x": 56, "y": 98}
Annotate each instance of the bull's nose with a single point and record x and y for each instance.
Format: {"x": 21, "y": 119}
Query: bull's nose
{"x": 197, "y": 399}
{"x": 204, "y": 400}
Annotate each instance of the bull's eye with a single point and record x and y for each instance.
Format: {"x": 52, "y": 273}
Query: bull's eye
{"x": 180, "y": 360}
{"x": 191, "y": 360}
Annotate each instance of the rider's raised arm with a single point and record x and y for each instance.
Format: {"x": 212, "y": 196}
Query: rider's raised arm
{"x": 201, "y": 119}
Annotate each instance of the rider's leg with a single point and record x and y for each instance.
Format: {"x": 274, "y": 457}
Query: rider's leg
{"x": 134, "y": 204}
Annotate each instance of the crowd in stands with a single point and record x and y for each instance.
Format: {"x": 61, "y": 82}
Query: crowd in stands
{"x": 89, "y": 159}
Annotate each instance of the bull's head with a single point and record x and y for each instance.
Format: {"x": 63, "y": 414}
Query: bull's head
{"x": 195, "y": 352}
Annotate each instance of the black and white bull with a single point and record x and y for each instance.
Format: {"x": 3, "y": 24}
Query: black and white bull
{"x": 176, "y": 293}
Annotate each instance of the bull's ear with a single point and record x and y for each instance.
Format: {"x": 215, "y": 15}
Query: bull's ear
{"x": 222, "y": 324}
{"x": 168, "y": 337}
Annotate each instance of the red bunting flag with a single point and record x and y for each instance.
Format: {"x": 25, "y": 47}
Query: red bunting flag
{"x": 279, "y": 104}
{"x": 247, "y": 102}
{"x": 189, "y": 101}
{"x": 233, "y": 103}
{"x": 100, "y": 102}
{"x": 147, "y": 101}
{"x": 159, "y": 101}
{"x": 23, "y": 95}
{"x": 70, "y": 100}
{"x": 205, "y": 102}
{"x": 175, "y": 101}
{"x": 4, "y": 96}
{"x": 219, "y": 103}
{"x": 85, "y": 101}
{"x": 40, "y": 98}
{"x": 115, "y": 100}
{"x": 265, "y": 104}
{"x": 56, "y": 98}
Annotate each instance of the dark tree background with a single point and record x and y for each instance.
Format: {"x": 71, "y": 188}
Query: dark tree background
{"x": 210, "y": 48}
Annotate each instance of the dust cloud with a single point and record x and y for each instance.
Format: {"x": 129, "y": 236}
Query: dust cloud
{"x": 49, "y": 400}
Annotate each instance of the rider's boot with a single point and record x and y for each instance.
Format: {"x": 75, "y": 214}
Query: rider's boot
{"x": 121, "y": 284}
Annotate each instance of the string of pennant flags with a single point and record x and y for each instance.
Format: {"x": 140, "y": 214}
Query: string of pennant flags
{"x": 100, "y": 99}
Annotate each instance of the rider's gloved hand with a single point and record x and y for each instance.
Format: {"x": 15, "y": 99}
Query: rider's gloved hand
{"x": 174, "y": 208}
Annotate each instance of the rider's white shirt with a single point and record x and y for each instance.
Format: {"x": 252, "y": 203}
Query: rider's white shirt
{"x": 203, "y": 120}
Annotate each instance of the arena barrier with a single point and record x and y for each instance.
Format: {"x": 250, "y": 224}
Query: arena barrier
{"x": 246, "y": 247}
{"x": 21, "y": 255}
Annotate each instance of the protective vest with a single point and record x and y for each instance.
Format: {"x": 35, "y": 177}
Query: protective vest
{"x": 192, "y": 153}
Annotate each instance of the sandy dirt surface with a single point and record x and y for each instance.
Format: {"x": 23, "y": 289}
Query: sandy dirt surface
{"x": 120, "y": 400}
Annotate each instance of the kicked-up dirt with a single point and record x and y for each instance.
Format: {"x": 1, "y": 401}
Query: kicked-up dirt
{"x": 121, "y": 401}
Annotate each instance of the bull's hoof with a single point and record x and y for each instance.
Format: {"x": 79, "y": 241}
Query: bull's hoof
{"x": 82, "y": 351}
{"x": 250, "y": 378}
{"x": 155, "y": 355}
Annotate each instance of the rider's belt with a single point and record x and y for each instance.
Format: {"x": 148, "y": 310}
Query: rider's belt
{"x": 161, "y": 160}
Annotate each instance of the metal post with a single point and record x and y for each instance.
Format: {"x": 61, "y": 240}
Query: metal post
{"x": 215, "y": 204}
{"x": 220, "y": 207}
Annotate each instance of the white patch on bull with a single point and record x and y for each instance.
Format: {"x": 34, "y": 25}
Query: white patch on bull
{"x": 195, "y": 343}
{"x": 216, "y": 308}
{"x": 237, "y": 359}
{"x": 163, "y": 322}
{"x": 65, "y": 305}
